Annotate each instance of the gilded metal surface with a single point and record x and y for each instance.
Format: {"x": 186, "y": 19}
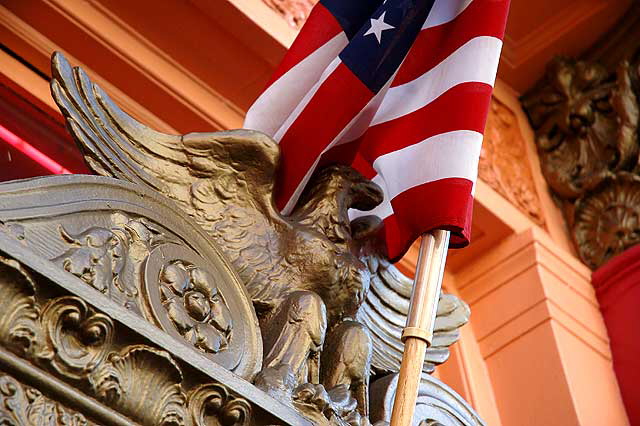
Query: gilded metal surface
{"x": 73, "y": 341}
{"x": 80, "y": 348}
{"x": 585, "y": 114}
{"x": 140, "y": 251}
{"x": 224, "y": 181}
{"x": 151, "y": 246}
{"x": 437, "y": 404}
{"x": 24, "y": 405}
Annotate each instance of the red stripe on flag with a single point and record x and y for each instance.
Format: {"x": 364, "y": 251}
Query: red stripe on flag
{"x": 435, "y": 44}
{"x": 320, "y": 27}
{"x": 443, "y": 204}
{"x": 463, "y": 107}
{"x": 319, "y": 123}
{"x": 341, "y": 154}
{"x": 363, "y": 166}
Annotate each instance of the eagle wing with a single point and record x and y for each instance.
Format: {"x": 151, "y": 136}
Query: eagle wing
{"x": 183, "y": 168}
{"x": 385, "y": 310}
{"x": 224, "y": 180}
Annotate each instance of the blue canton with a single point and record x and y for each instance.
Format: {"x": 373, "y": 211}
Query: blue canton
{"x": 378, "y": 48}
{"x": 351, "y": 14}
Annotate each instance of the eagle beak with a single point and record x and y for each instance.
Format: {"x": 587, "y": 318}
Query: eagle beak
{"x": 366, "y": 195}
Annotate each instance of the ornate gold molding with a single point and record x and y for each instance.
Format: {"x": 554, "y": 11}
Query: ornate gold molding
{"x": 138, "y": 256}
{"x": 24, "y": 405}
{"x": 75, "y": 342}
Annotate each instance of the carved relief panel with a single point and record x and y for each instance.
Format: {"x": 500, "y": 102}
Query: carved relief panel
{"x": 24, "y": 405}
{"x": 73, "y": 341}
{"x": 117, "y": 239}
{"x": 295, "y": 12}
{"x": 504, "y": 162}
{"x": 585, "y": 115}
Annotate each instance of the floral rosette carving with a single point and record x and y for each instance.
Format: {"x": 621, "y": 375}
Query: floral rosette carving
{"x": 194, "y": 305}
{"x": 586, "y": 119}
{"x": 586, "y": 122}
{"x": 607, "y": 222}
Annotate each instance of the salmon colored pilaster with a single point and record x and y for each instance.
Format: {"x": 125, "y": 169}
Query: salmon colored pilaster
{"x": 541, "y": 335}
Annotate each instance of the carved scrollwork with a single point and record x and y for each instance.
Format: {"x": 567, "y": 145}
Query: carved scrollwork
{"x": 18, "y": 328}
{"x": 79, "y": 338}
{"x": 77, "y": 343}
{"x": 182, "y": 297}
{"x": 108, "y": 259}
{"x": 23, "y": 405}
{"x": 97, "y": 257}
{"x": 149, "y": 374}
{"x": 212, "y": 405}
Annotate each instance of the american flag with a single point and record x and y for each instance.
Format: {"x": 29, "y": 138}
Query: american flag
{"x": 400, "y": 90}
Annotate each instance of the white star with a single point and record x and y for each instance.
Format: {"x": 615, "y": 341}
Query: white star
{"x": 378, "y": 26}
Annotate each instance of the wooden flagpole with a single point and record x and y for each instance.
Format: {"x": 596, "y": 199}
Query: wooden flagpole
{"x": 418, "y": 333}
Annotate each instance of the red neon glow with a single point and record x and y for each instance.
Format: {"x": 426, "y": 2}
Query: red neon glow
{"x": 31, "y": 152}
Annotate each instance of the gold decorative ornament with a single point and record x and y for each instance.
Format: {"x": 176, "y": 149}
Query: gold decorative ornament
{"x": 24, "y": 405}
{"x": 173, "y": 269}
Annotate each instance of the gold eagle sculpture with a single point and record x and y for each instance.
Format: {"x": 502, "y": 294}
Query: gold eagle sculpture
{"x": 310, "y": 280}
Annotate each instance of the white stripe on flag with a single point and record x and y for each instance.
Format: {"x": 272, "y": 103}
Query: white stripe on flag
{"x": 444, "y": 11}
{"x": 447, "y": 155}
{"x": 277, "y": 102}
{"x": 475, "y": 61}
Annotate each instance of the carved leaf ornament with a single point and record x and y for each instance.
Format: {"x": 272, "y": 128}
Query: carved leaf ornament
{"x": 150, "y": 375}
{"x": 75, "y": 342}
{"x": 24, "y": 405}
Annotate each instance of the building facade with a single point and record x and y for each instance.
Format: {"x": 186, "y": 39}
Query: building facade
{"x": 537, "y": 349}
